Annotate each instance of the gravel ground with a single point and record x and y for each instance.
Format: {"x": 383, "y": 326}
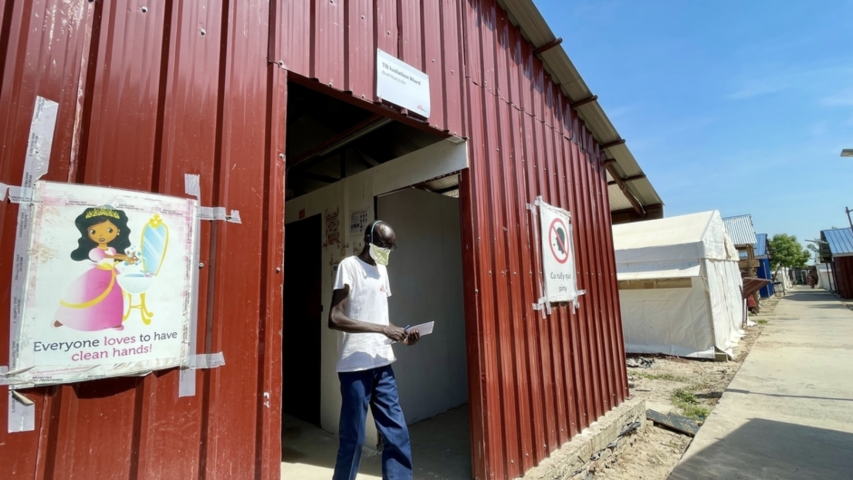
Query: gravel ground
{"x": 682, "y": 386}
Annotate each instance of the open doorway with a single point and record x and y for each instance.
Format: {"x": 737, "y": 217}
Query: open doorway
{"x": 302, "y": 313}
{"x": 346, "y": 168}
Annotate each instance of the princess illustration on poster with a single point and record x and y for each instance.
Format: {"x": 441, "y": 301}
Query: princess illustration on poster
{"x": 94, "y": 300}
{"x": 109, "y": 284}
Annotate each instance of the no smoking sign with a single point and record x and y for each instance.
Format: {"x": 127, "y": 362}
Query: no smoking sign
{"x": 558, "y": 239}
{"x": 557, "y": 250}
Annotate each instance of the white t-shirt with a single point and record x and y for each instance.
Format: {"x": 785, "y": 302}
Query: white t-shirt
{"x": 367, "y": 302}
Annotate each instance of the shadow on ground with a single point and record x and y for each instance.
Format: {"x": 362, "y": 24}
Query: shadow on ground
{"x": 441, "y": 447}
{"x": 770, "y": 449}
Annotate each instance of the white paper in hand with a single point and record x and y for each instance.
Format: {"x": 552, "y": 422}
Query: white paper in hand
{"x": 423, "y": 329}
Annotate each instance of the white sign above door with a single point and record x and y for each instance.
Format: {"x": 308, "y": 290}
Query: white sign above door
{"x": 402, "y": 84}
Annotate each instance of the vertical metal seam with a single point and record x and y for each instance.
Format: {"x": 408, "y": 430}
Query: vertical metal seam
{"x": 519, "y": 217}
{"x": 312, "y": 42}
{"x": 347, "y": 83}
{"x": 52, "y": 440}
{"x": 212, "y": 249}
{"x": 495, "y": 301}
{"x": 562, "y": 310}
{"x": 586, "y": 389}
{"x": 594, "y": 319}
{"x": 265, "y": 262}
{"x": 565, "y": 315}
{"x": 557, "y": 318}
{"x": 545, "y": 346}
{"x": 161, "y": 98}
{"x": 5, "y": 34}
{"x": 399, "y": 12}
{"x": 608, "y": 280}
{"x": 506, "y": 161}
{"x": 92, "y": 71}
{"x": 535, "y": 366}
{"x": 600, "y": 340}
{"x": 513, "y": 301}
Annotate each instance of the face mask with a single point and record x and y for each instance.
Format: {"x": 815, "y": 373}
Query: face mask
{"x": 379, "y": 254}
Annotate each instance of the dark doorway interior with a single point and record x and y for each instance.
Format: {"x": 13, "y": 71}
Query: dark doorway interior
{"x": 329, "y": 139}
{"x": 302, "y": 319}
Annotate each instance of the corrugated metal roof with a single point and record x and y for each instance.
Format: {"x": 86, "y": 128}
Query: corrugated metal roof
{"x": 840, "y": 241}
{"x": 760, "y": 244}
{"x": 535, "y": 29}
{"x": 618, "y": 201}
{"x": 740, "y": 229}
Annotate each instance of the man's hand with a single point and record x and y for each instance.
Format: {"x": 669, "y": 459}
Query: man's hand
{"x": 412, "y": 337}
{"x": 395, "y": 333}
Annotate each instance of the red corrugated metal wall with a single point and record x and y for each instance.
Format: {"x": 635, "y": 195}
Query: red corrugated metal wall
{"x": 148, "y": 91}
{"x": 535, "y": 382}
{"x": 842, "y": 268}
{"x": 189, "y": 86}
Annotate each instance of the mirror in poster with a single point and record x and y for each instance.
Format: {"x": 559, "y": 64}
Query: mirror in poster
{"x": 137, "y": 277}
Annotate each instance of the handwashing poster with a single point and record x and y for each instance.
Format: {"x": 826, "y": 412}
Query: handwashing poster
{"x": 109, "y": 284}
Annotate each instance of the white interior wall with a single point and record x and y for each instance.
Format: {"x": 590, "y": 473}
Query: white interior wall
{"x": 426, "y": 285}
{"x": 350, "y": 194}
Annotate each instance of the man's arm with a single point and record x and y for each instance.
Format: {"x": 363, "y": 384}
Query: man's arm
{"x": 339, "y": 321}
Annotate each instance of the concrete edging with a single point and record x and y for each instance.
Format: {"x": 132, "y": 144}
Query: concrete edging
{"x": 576, "y": 456}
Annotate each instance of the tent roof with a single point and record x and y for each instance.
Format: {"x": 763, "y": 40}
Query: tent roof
{"x": 664, "y": 245}
{"x": 740, "y": 229}
{"x": 662, "y": 232}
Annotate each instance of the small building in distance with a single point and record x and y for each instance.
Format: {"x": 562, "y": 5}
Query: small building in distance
{"x": 837, "y": 250}
{"x": 763, "y": 253}
{"x": 742, "y": 234}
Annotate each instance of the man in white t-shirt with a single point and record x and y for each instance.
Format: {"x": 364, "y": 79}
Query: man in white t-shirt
{"x": 360, "y": 312}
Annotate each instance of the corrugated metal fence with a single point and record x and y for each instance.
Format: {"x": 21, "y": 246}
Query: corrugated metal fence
{"x": 842, "y": 268}
{"x": 151, "y": 90}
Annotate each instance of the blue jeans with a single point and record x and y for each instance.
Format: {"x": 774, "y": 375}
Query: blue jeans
{"x": 378, "y": 388}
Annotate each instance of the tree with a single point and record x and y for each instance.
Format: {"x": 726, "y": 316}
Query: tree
{"x": 787, "y": 252}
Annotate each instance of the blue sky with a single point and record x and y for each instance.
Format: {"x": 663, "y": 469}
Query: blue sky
{"x": 738, "y": 106}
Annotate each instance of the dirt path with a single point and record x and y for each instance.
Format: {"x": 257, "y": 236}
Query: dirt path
{"x": 682, "y": 386}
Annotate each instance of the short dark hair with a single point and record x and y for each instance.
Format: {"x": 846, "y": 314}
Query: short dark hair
{"x": 372, "y": 226}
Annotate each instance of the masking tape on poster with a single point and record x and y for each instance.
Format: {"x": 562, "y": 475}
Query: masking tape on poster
{"x": 22, "y": 417}
{"x": 192, "y": 186}
{"x": 543, "y": 304}
{"x": 186, "y": 377}
{"x": 218, "y": 213}
{"x": 210, "y": 360}
{"x": 186, "y": 381}
{"x": 22, "y": 411}
{"x": 20, "y": 194}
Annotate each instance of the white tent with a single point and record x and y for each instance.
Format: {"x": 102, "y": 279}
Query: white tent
{"x": 824, "y": 277}
{"x": 679, "y": 286}
{"x": 783, "y": 275}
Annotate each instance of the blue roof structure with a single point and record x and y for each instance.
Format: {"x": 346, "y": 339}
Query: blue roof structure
{"x": 840, "y": 241}
{"x": 760, "y": 245}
